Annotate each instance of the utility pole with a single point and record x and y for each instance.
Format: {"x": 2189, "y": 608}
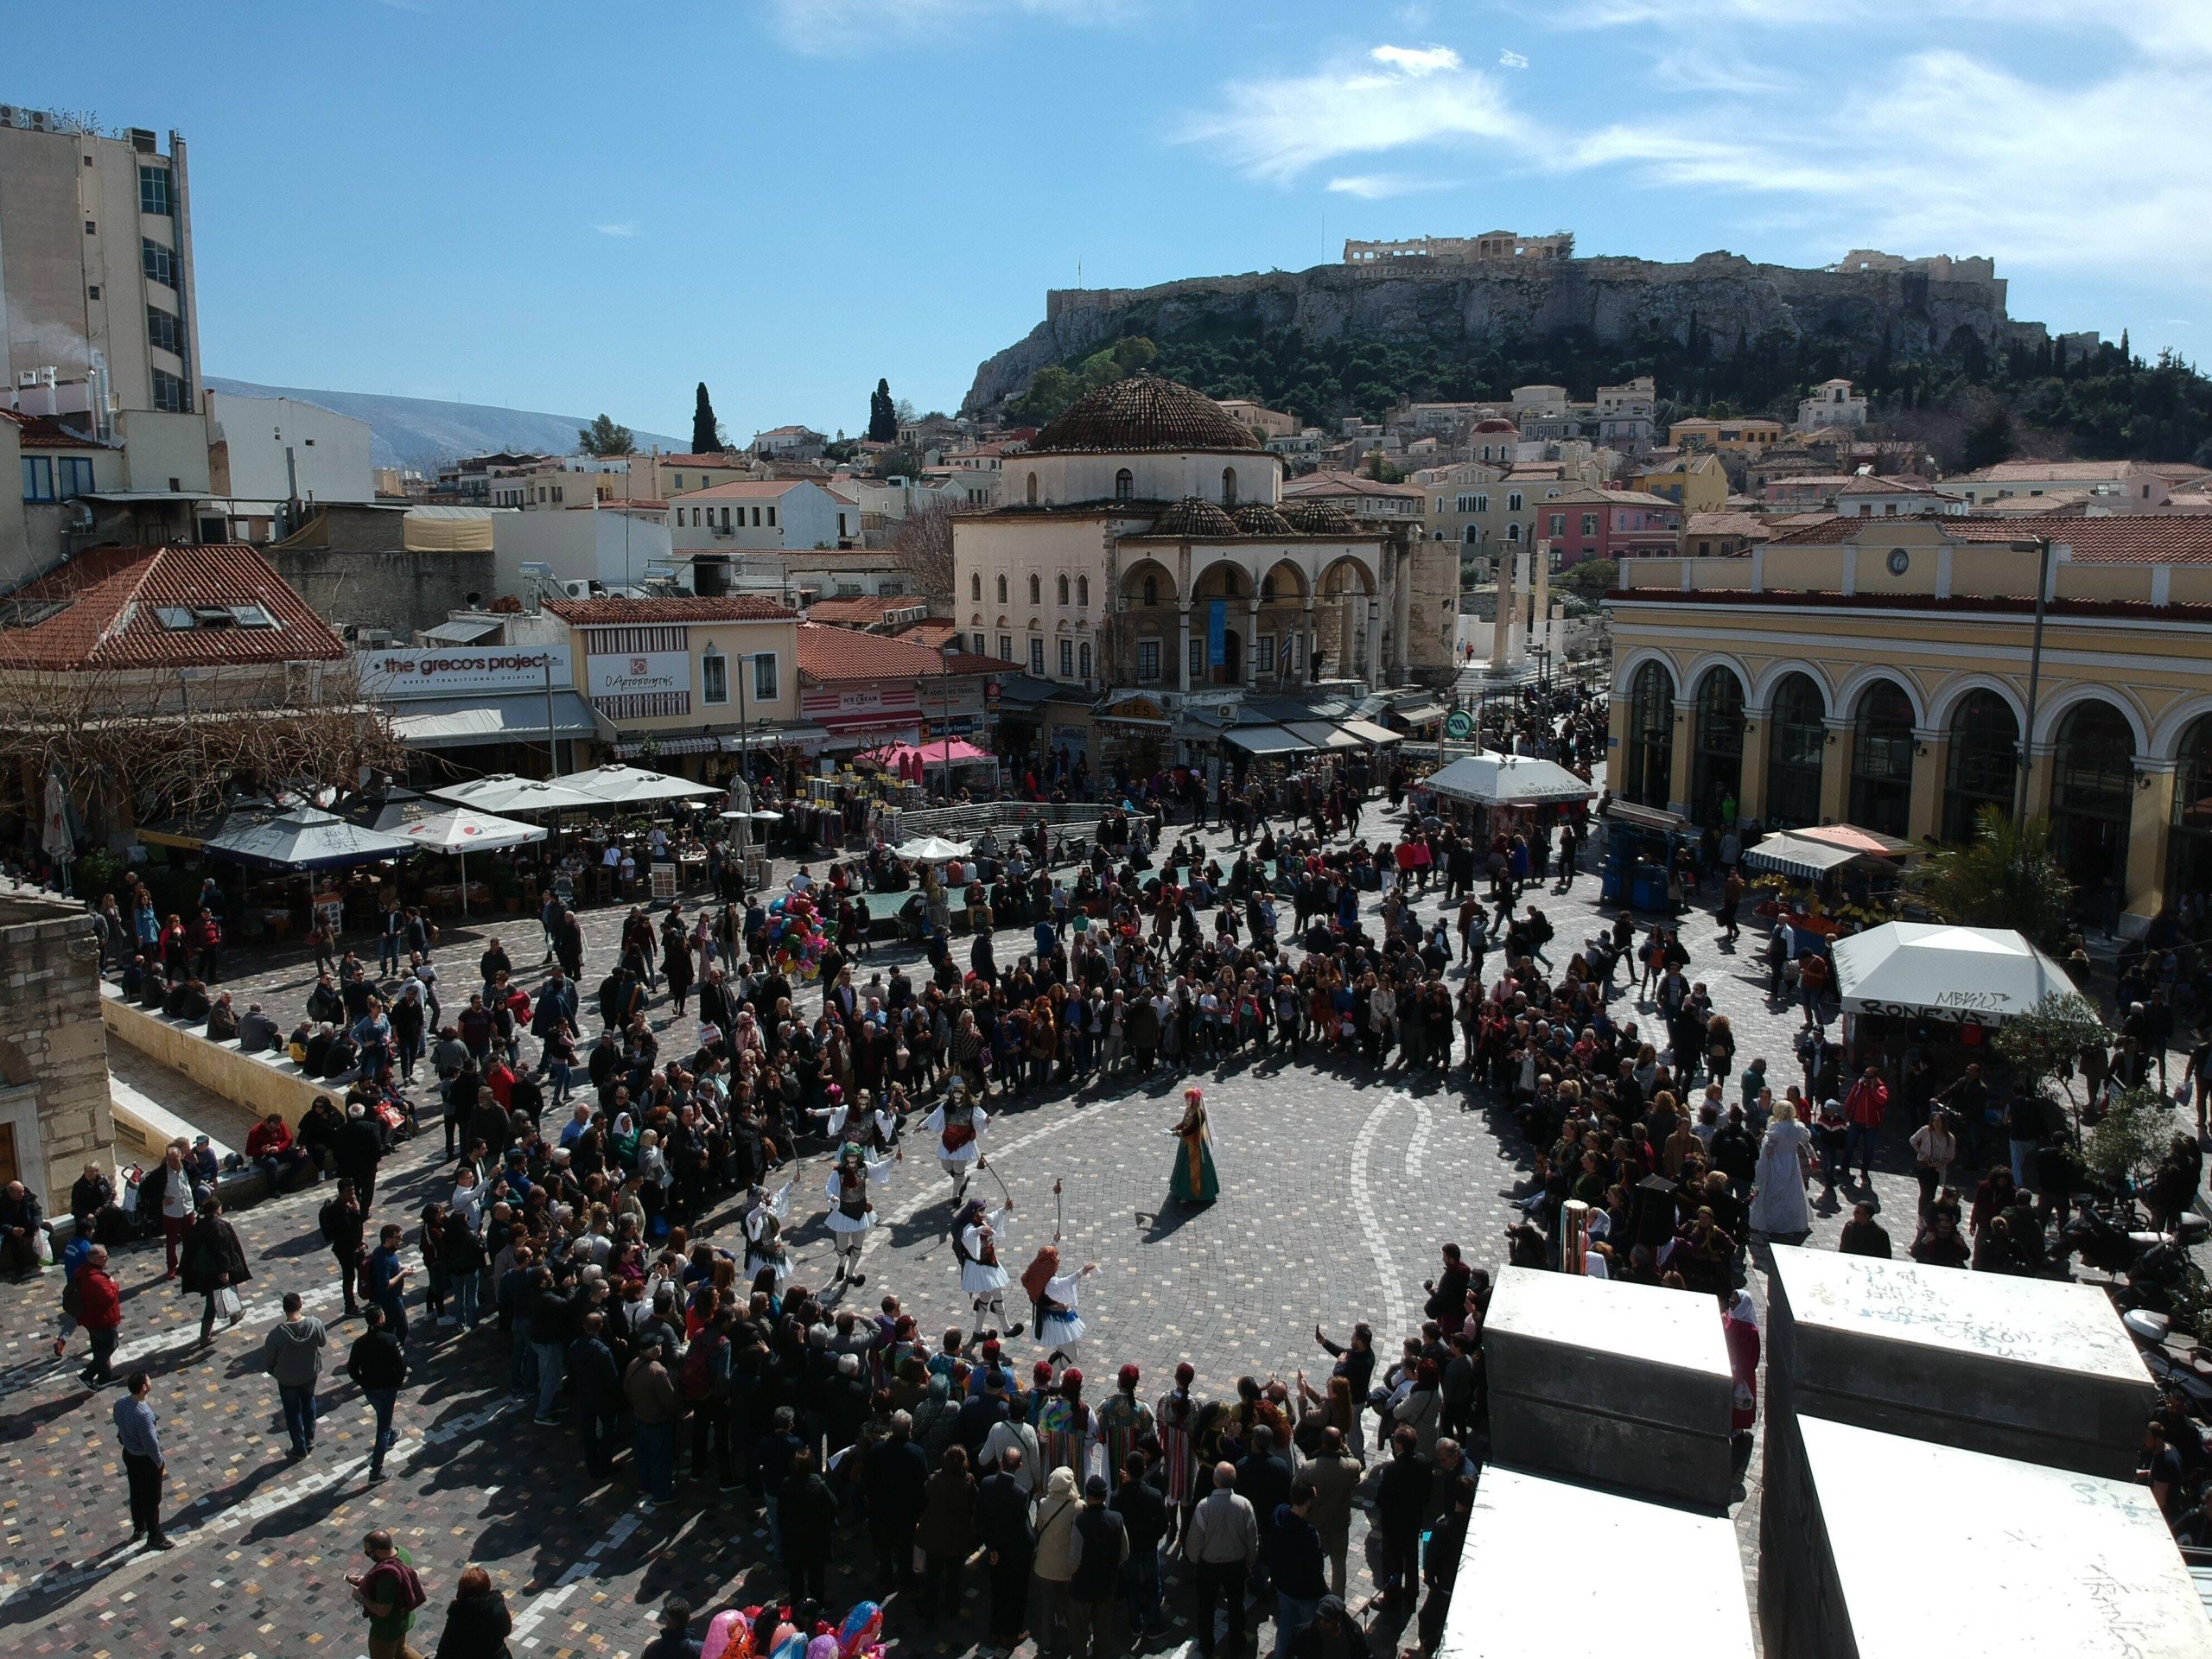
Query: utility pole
{"x": 2041, "y": 548}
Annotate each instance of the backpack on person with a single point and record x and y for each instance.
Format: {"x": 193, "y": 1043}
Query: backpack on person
{"x": 407, "y": 1595}
{"x": 695, "y": 1378}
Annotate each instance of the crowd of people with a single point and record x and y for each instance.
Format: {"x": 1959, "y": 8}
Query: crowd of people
{"x": 591, "y": 1180}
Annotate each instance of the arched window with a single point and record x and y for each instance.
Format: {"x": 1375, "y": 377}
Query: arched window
{"x": 1125, "y": 484}
{"x": 1032, "y": 489}
{"x": 2188, "y": 857}
{"x": 2091, "y": 797}
{"x": 976, "y": 586}
{"x": 1649, "y": 764}
{"x": 1797, "y": 738}
{"x": 1082, "y": 656}
{"x": 1717, "y": 757}
{"x": 1881, "y": 760}
{"x": 1083, "y": 591}
{"x": 1001, "y": 589}
{"x": 1064, "y": 588}
{"x": 1151, "y": 590}
{"x": 1036, "y": 589}
{"x": 1229, "y": 486}
{"x": 1984, "y": 762}
{"x": 1474, "y": 536}
{"x": 1513, "y": 533}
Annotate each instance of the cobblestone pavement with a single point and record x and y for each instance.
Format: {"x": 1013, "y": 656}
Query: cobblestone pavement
{"x": 1337, "y": 1185}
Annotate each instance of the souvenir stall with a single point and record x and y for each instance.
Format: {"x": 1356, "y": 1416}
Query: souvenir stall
{"x": 942, "y": 767}
{"x": 1641, "y": 844}
{"x": 1939, "y": 987}
{"x": 1508, "y": 794}
{"x": 1824, "y": 879}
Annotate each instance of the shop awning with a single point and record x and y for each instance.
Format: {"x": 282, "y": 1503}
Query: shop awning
{"x": 456, "y": 722}
{"x": 1266, "y": 740}
{"x": 629, "y": 748}
{"x": 1790, "y": 854}
{"x": 805, "y": 738}
{"x": 1320, "y": 735}
{"x": 1368, "y": 731}
{"x": 468, "y": 632}
{"x": 1421, "y": 713}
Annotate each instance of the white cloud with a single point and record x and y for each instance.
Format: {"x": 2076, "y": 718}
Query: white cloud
{"x": 2106, "y": 163}
{"x": 1278, "y": 129}
{"x": 1508, "y": 59}
{"x": 1377, "y": 186}
{"x": 1416, "y": 59}
{"x": 624, "y": 229}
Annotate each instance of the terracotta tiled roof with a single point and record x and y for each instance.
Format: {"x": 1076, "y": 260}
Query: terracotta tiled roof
{"x": 113, "y": 600}
{"x": 2076, "y": 472}
{"x": 2148, "y": 538}
{"x": 1749, "y": 526}
{"x": 857, "y": 612}
{"x": 45, "y": 432}
{"x": 827, "y": 653}
{"x": 648, "y": 613}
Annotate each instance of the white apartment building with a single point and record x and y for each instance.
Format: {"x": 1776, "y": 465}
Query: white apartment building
{"x": 1833, "y": 403}
{"x": 778, "y": 515}
{"x": 2110, "y": 485}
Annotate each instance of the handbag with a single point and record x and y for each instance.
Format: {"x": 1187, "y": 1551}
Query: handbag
{"x": 228, "y": 1303}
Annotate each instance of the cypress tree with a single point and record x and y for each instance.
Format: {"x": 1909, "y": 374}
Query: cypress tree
{"x": 706, "y": 430}
{"x": 882, "y": 415}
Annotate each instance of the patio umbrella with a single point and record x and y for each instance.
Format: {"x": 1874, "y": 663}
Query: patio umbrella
{"x": 306, "y": 838}
{"x": 620, "y": 785}
{"x": 457, "y": 829}
{"x": 504, "y": 795}
{"x": 930, "y": 849}
{"x": 1976, "y": 975}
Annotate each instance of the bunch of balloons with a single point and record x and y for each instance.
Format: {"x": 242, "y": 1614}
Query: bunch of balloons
{"x": 768, "y": 1633}
{"x": 795, "y": 939}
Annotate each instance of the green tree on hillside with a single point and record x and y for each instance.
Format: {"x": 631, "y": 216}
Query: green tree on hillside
{"x": 706, "y": 430}
{"x": 604, "y": 437}
{"x": 882, "y": 415}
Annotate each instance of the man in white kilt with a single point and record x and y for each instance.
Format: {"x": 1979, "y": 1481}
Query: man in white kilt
{"x": 959, "y": 1125}
{"x": 982, "y": 1275}
{"x": 852, "y": 1210}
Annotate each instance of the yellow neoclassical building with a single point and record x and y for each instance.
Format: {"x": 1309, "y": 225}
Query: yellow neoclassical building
{"x": 1879, "y": 673}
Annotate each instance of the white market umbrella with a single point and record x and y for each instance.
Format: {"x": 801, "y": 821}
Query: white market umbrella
{"x": 1976, "y": 975}
{"x": 306, "y": 838}
{"x": 1492, "y": 779}
{"x": 504, "y": 795}
{"x": 620, "y": 785}
{"x": 930, "y": 849}
{"x": 457, "y": 829}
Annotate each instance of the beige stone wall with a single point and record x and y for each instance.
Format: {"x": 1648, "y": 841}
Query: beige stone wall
{"x": 53, "y": 1049}
{"x": 261, "y": 1083}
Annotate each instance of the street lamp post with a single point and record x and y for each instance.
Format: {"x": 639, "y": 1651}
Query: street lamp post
{"x": 2041, "y": 548}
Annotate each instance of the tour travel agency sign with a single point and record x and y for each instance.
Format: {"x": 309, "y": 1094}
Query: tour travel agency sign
{"x": 461, "y": 671}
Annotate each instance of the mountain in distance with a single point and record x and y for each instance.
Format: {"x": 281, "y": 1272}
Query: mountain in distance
{"x": 420, "y": 432}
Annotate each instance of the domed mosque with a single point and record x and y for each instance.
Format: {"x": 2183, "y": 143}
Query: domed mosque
{"x": 1141, "y": 556}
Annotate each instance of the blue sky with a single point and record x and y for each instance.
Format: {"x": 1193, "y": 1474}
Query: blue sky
{"x": 575, "y": 208}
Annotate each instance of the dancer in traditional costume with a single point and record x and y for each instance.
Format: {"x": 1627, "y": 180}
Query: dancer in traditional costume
{"x": 959, "y": 1125}
{"x": 1067, "y": 1427}
{"x": 858, "y": 1120}
{"x": 975, "y": 1246}
{"x": 852, "y": 1210}
{"x": 764, "y": 1236}
{"x": 1175, "y": 1420}
{"x": 1194, "y": 1180}
{"x": 1124, "y": 1422}
{"x": 1054, "y": 1294}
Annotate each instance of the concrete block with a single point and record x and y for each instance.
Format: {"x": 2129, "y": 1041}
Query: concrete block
{"x": 2032, "y": 1368}
{"x": 1666, "y": 1583}
{"x": 1617, "y": 1384}
{"x": 2040, "y": 1563}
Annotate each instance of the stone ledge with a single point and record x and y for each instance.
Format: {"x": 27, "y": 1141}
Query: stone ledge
{"x": 262, "y": 1084}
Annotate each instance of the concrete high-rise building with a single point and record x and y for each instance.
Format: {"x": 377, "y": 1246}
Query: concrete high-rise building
{"x": 96, "y": 278}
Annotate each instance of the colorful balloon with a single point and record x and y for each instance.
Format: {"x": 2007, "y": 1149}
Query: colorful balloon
{"x": 862, "y": 1627}
{"x": 729, "y": 1635}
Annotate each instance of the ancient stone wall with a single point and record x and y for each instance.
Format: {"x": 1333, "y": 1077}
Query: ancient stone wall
{"x": 54, "y": 1099}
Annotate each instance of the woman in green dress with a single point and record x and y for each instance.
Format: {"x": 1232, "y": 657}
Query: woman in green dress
{"x": 1194, "y": 1180}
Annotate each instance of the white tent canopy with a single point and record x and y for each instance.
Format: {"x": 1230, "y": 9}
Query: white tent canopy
{"x": 1493, "y": 779}
{"x": 1976, "y": 975}
{"x": 503, "y": 794}
{"x": 621, "y": 785}
{"x": 458, "y": 829}
{"x": 930, "y": 849}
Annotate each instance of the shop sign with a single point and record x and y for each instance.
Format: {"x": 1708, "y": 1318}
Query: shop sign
{"x": 456, "y": 670}
{"x": 629, "y": 674}
{"x": 1134, "y": 708}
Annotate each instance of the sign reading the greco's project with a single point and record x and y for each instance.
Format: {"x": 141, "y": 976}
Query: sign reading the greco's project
{"x": 456, "y": 670}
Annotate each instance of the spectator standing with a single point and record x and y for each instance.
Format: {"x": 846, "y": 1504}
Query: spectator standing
{"x": 477, "y": 1620}
{"x": 1294, "y": 1563}
{"x": 98, "y": 1309}
{"x": 1335, "y": 1476}
{"x": 389, "y": 1592}
{"x": 1010, "y": 1546}
{"x": 384, "y": 1281}
{"x": 1100, "y": 1550}
{"x": 143, "y": 1464}
{"x": 1221, "y": 1543}
{"x": 293, "y": 1353}
{"x": 379, "y": 1367}
{"x": 1143, "y": 1508}
{"x": 945, "y": 1533}
{"x": 214, "y": 1263}
{"x": 651, "y": 1392}
{"x": 807, "y": 1518}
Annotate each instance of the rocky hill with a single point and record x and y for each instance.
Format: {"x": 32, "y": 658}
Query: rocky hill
{"x": 1718, "y": 305}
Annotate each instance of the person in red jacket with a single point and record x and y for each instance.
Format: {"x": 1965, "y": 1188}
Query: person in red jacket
{"x": 99, "y": 1310}
{"x": 270, "y": 1144}
{"x": 1865, "y": 1107}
